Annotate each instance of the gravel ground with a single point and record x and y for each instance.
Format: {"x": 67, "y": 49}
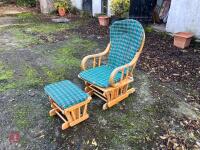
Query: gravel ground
{"x": 163, "y": 113}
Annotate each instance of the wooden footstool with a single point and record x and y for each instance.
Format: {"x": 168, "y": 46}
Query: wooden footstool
{"x": 68, "y": 101}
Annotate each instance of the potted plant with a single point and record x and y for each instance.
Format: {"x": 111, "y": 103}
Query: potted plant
{"x": 62, "y": 6}
{"x": 182, "y": 39}
{"x": 120, "y": 9}
{"x": 103, "y": 20}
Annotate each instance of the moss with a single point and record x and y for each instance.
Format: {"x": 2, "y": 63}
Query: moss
{"x": 31, "y": 78}
{"x": 6, "y": 76}
{"x": 23, "y": 39}
{"x": 130, "y": 127}
{"x": 46, "y": 28}
{"x": 7, "y": 86}
{"x": 52, "y": 76}
{"x": 66, "y": 55}
{"x": 27, "y": 16}
{"x": 2, "y": 49}
{"x": 18, "y": 38}
{"x": 21, "y": 116}
{"x": 148, "y": 29}
{"x": 66, "y": 60}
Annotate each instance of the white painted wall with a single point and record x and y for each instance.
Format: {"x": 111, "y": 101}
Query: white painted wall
{"x": 184, "y": 15}
{"x": 77, "y": 3}
{"x": 109, "y": 9}
{"x": 96, "y": 7}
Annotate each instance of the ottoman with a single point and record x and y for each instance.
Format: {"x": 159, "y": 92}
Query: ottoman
{"x": 68, "y": 101}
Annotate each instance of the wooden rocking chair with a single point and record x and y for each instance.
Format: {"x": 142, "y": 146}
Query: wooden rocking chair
{"x": 110, "y": 82}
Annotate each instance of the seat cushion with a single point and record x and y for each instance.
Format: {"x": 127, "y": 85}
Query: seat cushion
{"x": 65, "y": 93}
{"x": 99, "y": 76}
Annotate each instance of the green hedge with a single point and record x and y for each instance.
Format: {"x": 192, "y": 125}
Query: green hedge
{"x": 29, "y": 3}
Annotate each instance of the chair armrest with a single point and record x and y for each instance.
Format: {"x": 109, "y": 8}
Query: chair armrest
{"x": 94, "y": 56}
{"x": 125, "y": 70}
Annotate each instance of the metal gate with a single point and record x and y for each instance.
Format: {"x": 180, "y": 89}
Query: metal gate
{"x": 142, "y": 10}
{"x": 87, "y": 6}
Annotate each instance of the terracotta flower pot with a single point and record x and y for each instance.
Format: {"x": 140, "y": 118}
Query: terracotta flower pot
{"x": 103, "y": 20}
{"x": 61, "y": 11}
{"x": 182, "y": 39}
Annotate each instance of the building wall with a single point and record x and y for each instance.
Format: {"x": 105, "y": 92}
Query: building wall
{"x": 184, "y": 15}
{"x": 96, "y": 7}
{"x": 46, "y": 6}
{"x": 77, "y": 3}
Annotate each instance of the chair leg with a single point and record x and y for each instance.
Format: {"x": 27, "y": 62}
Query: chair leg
{"x": 115, "y": 97}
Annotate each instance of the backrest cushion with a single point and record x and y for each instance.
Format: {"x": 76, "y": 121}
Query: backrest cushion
{"x": 126, "y": 38}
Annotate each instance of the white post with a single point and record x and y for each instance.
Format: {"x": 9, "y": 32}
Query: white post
{"x": 77, "y": 4}
{"x": 109, "y": 13}
{"x": 96, "y": 7}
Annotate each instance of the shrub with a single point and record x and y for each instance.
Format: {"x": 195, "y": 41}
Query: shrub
{"x": 120, "y": 8}
{"x": 85, "y": 14}
{"x": 29, "y": 3}
{"x": 63, "y": 3}
{"x": 75, "y": 11}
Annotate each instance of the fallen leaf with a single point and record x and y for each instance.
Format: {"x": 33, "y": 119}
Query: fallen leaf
{"x": 94, "y": 142}
{"x": 164, "y": 137}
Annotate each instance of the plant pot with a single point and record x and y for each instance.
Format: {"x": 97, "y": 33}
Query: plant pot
{"x": 103, "y": 20}
{"x": 182, "y": 39}
{"x": 61, "y": 11}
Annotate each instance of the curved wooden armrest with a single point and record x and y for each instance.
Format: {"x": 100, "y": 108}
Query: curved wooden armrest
{"x": 94, "y": 56}
{"x": 125, "y": 70}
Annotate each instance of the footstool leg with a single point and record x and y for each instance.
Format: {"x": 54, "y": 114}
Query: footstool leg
{"x": 65, "y": 125}
{"x": 52, "y": 112}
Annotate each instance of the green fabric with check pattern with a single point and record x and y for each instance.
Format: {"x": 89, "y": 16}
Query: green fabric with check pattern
{"x": 65, "y": 93}
{"x": 99, "y": 75}
{"x": 126, "y": 38}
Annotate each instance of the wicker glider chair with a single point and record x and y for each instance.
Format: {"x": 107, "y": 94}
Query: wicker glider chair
{"x": 110, "y": 82}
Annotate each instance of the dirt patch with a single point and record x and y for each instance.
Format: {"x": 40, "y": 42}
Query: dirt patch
{"x": 9, "y": 9}
{"x": 167, "y": 63}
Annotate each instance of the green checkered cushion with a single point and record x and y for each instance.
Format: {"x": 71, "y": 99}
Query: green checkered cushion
{"x": 126, "y": 38}
{"x": 99, "y": 76}
{"x": 65, "y": 93}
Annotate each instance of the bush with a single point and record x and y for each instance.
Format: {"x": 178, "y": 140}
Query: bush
{"x": 63, "y": 3}
{"x": 29, "y": 3}
{"x": 120, "y": 8}
{"x": 75, "y": 11}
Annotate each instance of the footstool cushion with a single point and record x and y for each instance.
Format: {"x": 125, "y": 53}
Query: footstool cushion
{"x": 65, "y": 93}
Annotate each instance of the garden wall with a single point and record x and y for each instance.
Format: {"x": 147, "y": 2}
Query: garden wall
{"x": 184, "y": 15}
{"x": 46, "y": 6}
